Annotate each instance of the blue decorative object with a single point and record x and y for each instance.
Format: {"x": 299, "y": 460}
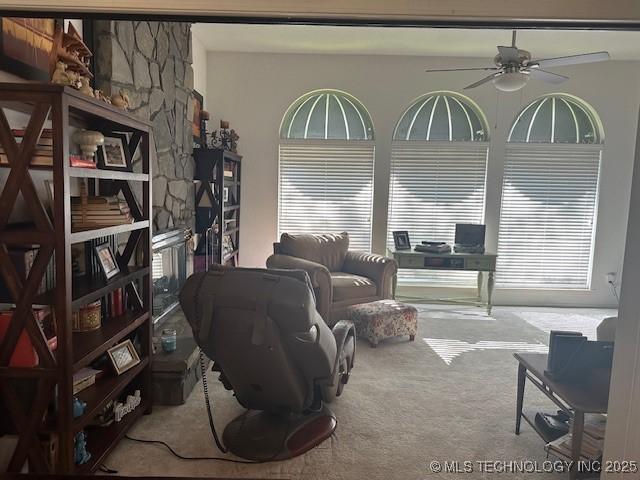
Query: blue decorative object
{"x": 81, "y": 456}
{"x": 169, "y": 340}
{"x": 79, "y": 407}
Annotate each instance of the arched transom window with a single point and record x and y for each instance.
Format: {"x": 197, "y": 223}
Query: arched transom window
{"x": 549, "y": 195}
{"x": 438, "y": 170}
{"x": 326, "y": 163}
{"x": 327, "y": 115}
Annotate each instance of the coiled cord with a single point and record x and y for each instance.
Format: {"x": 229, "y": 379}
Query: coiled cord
{"x": 205, "y": 388}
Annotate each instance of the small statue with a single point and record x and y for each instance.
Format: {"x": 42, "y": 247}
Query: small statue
{"x": 81, "y": 456}
{"x": 101, "y": 96}
{"x": 121, "y": 100}
{"x": 63, "y": 77}
{"x": 79, "y": 407}
{"x": 85, "y": 87}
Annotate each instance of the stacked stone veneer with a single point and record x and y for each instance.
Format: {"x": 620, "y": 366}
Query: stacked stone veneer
{"x": 152, "y": 62}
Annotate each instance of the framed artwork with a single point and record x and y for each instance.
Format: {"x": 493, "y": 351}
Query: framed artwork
{"x": 26, "y": 46}
{"x": 123, "y": 356}
{"x": 196, "y": 122}
{"x": 107, "y": 261}
{"x": 113, "y": 154}
{"x": 401, "y": 240}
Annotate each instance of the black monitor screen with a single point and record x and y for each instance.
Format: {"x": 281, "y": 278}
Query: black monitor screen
{"x": 469, "y": 234}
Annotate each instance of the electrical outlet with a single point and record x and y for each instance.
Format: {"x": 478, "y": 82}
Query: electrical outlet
{"x": 611, "y": 277}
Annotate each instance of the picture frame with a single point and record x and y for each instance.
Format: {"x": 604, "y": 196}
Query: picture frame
{"x": 114, "y": 153}
{"x": 123, "y": 356}
{"x": 197, "y": 124}
{"x": 27, "y": 46}
{"x": 225, "y": 195}
{"x": 48, "y": 186}
{"x": 107, "y": 261}
{"x": 401, "y": 240}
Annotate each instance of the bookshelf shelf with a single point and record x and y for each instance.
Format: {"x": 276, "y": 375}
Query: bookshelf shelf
{"x": 103, "y": 391}
{"x": 92, "y": 289}
{"x": 56, "y": 110}
{"x": 90, "y": 345}
{"x": 77, "y": 172}
{"x": 102, "y": 440}
{"x": 84, "y": 235}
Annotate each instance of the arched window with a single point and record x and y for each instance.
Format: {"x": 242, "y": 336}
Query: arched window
{"x": 326, "y": 167}
{"x": 549, "y": 195}
{"x": 438, "y": 170}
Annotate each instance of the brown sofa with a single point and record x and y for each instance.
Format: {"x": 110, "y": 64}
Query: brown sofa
{"x": 340, "y": 277}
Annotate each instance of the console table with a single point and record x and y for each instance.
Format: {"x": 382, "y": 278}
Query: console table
{"x": 474, "y": 262}
{"x": 573, "y": 398}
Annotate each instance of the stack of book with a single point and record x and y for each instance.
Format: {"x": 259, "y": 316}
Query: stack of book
{"x": 433, "y": 247}
{"x": 592, "y": 440}
{"x": 98, "y": 212}
{"x": 43, "y": 153}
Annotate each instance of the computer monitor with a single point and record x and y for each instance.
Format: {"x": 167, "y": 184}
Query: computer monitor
{"x": 470, "y": 234}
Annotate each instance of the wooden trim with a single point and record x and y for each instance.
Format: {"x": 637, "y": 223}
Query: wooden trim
{"x": 461, "y": 11}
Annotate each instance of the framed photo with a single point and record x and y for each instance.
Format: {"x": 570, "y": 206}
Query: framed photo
{"x": 26, "y": 46}
{"x": 123, "y": 356}
{"x": 48, "y": 186}
{"x": 401, "y": 240}
{"x": 107, "y": 261}
{"x": 196, "y": 122}
{"x": 225, "y": 195}
{"x": 113, "y": 154}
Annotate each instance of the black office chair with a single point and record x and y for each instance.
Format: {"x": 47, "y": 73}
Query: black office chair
{"x": 270, "y": 345}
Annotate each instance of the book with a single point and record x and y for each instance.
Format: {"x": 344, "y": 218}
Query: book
{"x": 84, "y": 378}
{"x": 78, "y": 161}
{"x": 36, "y": 160}
{"x": 20, "y": 132}
{"x": 430, "y": 248}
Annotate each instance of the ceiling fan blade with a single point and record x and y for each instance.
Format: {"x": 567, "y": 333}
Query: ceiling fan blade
{"x": 546, "y": 76}
{"x": 571, "y": 60}
{"x": 509, "y": 55}
{"x": 461, "y": 69}
{"x": 480, "y": 82}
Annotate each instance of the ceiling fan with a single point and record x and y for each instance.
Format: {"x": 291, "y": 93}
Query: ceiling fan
{"x": 514, "y": 67}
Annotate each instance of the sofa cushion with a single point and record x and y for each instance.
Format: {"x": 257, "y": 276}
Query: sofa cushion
{"x": 347, "y": 286}
{"x": 329, "y": 250}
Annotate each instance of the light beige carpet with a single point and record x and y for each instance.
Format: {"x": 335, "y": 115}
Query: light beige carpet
{"x": 404, "y": 407}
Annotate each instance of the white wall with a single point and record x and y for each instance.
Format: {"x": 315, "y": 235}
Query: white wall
{"x": 199, "y": 65}
{"x": 253, "y": 91}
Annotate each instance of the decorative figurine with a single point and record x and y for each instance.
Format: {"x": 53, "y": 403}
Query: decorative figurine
{"x": 225, "y": 138}
{"x": 101, "y": 96}
{"x": 122, "y": 409}
{"x": 85, "y": 88}
{"x": 61, "y": 76}
{"x": 121, "y": 100}
{"x": 81, "y": 456}
{"x": 79, "y": 407}
{"x": 88, "y": 140}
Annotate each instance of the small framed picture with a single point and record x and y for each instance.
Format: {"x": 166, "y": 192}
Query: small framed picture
{"x": 123, "y": 356}
{"x": 401, "y": 240}
{"x": 113, "y": 154}
{"x": 107, "y": 261}
{"x": 48, "y": 186}
{"x": 225, "y": 195}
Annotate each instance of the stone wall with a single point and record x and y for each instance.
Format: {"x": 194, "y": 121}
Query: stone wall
{"x": 152, "y": 62}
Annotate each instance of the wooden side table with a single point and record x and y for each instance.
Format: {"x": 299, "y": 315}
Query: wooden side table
{"x": 574, "y": 399}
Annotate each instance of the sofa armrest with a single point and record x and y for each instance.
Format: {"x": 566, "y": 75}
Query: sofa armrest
{"x": 382, "y": 270}
{"x": 318, "y": 274}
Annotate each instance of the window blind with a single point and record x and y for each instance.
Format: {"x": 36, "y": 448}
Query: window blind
{"x": 433, "y": 187}
{"x": 327, "y": 187}
{"x": 547, "y": 220}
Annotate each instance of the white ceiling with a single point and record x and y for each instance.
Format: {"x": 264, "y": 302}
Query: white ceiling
{"x": 438, "y": 42}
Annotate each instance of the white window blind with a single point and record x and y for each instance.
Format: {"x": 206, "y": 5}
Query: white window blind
{"x": 548, "y": 216}
{"x": 434, "y": 186}
{"x": 327, "y": 187}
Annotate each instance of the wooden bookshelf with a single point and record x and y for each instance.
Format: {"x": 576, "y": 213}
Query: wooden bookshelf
{"x": 217, "y": 217}
{"x": 50, "y": 411}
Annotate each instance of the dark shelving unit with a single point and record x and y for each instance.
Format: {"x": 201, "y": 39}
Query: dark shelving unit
{"x": 217, "y": 215}
{"x": 48, "y": 414}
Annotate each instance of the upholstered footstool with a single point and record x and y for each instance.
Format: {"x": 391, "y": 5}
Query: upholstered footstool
{"x": 376, "y": 321}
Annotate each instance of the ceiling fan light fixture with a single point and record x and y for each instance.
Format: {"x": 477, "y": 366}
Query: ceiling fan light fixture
{"x": 510, "y": 81}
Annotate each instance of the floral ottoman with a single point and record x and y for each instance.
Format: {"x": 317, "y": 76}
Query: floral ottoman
{"x": 376, "y": 321}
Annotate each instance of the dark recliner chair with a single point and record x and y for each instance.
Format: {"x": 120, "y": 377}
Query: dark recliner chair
{"x": 271, "y": 346}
